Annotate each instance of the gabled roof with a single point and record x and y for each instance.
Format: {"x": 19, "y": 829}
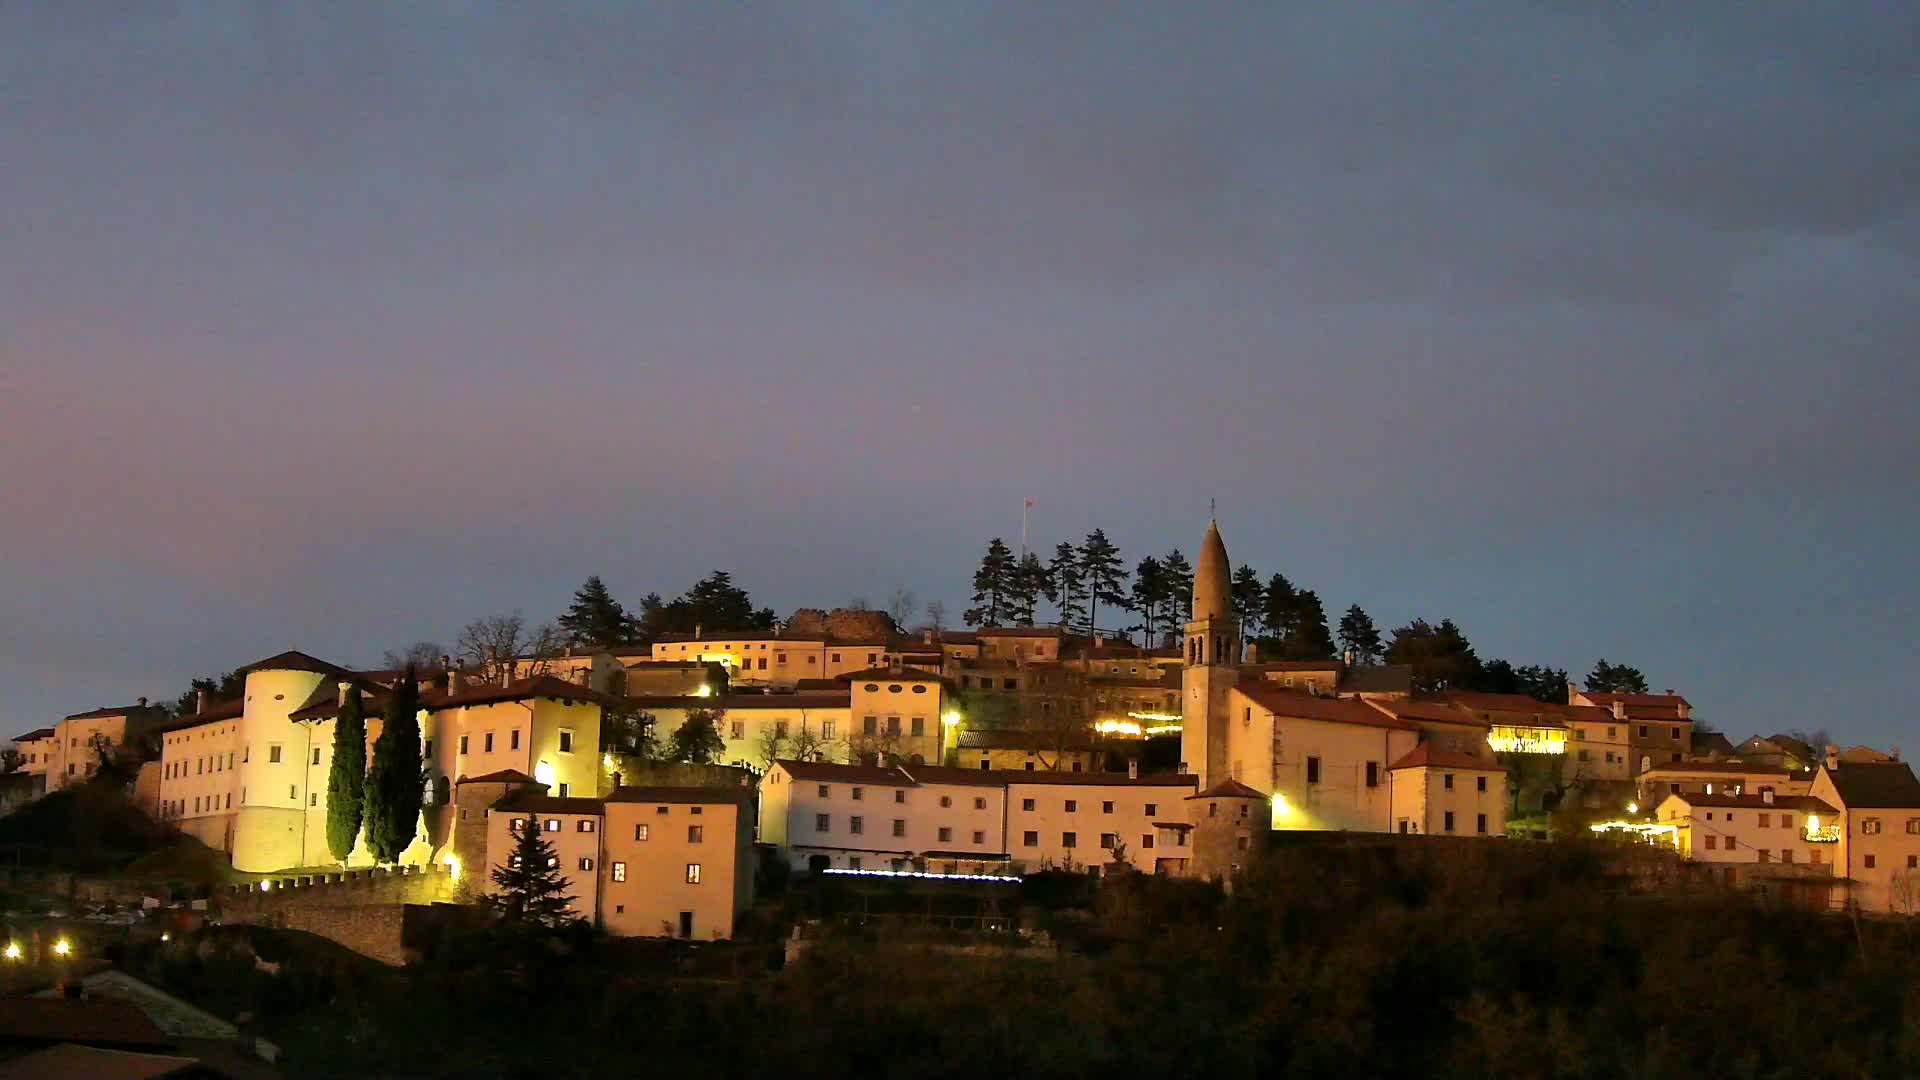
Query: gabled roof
{"x": 295, "y": 660}
{"x": 1295, "y": 703}
{"x": 1429, "y": 756}
{"x": 111, "y": 711}
{"x": 709, "y": 796}
{"x": 1294, "y": 665}
{"x": 324, "y": 702}
{"x": 540, "y": 686}
{"x": 725, "y": 636}
{"x": 1016, "y": 777}
{"x": 1668, "y": 701}
{"x": 1886, "y": 785}
{"x": 1019, "y": 631}
{"x": 504, "y": 776}
{"x": 1229, "y": 789}
{"x": 37, "y": 733}
{"x": 1515, "y": 703}
{"x": 828, "y": 772}
{"x": 1804, "y": 803}
{"x": 1433, "y": 712}
{"x": 75, "y": 1062}
{"x": 537, "y": 801}
{"x": 1734, "y": 768}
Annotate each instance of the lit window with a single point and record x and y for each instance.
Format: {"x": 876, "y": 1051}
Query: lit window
{"x": 619, "y": 871}
{"x": 696, "y": 834}
{"x": 693, "y": 873}
{"x": 553, "y": 825}
{"x": 585, "y": 825}
{"x": 640, "y": 832}
{"x": 586, "y": 863}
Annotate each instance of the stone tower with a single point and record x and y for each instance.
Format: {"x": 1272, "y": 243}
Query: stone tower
{"x": 1212, "y": 664}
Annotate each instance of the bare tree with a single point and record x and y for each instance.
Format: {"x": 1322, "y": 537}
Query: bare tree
{"x": 11, "y": 759}
{"x": 808, "y": 744}
{"x": 421, "y": 656}
{"x": 769, "y": 745}
{"x": 901, "y": 606}
{"x": 936, "y": 615}
{"x": 504, "y": 641}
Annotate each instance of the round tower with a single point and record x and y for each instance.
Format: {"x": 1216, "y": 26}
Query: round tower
{"x": 1212, "y": 664}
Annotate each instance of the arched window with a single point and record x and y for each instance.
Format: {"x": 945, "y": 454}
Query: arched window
{"x": 442, "y": 790}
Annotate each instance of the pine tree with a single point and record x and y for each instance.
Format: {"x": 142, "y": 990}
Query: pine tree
{"x": 1608, "y": 678}
{"x": 394, "y": 783}
{"x": 1179, "y": 586}
{"x": 1028, "y": 585}
{"x": 1149, "y": 598}
{"x": 992, "y": 586}
{"x": 1280, "y": 616}
{"x": 596, "y": 619}
{"x": 1310, "y": 639}
{"x": 347, "y": 777}
{"x": 529, "y": 891}
{"x": 1249, "y": 601}
{"x": 1359, "y": 636}
{"x": 1104, "y": 574}
{"x": 1441, "y": 656}
{"x": 1065, "y": 584}
{"x": 697, "y": 740}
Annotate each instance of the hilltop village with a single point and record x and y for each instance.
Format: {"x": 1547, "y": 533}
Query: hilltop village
{"x": 986, "y": 754}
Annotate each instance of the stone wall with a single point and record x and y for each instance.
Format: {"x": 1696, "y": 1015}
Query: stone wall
{"x": 363, "y": 910}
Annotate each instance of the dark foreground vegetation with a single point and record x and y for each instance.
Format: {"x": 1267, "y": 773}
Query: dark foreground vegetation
{"x": 1523, "y": 961}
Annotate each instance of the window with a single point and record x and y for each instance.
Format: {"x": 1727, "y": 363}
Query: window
{"x": 1373, "y": 774}
{"x": 899, "y": 827}
{"x": 919, "y": 724}
{"x": 1869, "y": 826}
{"x": 693, "y": 873}
{"x": 1107, "y": 840}
{"x": 1449, "y": 821}
{"x": 822, "y": 822}
{"x": 855, "y": 825}
{"x": 859, "y": 794}
{"x": 586, "y": 863}
{"x": 565, "y": 789}
{"x": 1073, "y": 805}
{"x": 1106, "y": 807}
{"x": 553, "y": 825}
{"x": 316, "y": 761}
{"x": 291, "y": 793}
{"x": 739, "y": 729}
{"x": 980, "y": 837}
{"x": 1146, "y": 840}
{"x": 640, "y": 831}
{"x": 513, "y": 739}
{"x": 662, "y": 809}
{"x": 826, "y": 730}
{"x": 1786, "y": 855}
{"x": 893, "y": 725}
{"x": 1030, "y": 839}
{"x": 1913, "y": 862}
{"x": 901, "y": 796}
{"x": 696, "y": 834}
{"x": 1068, "y": 840}
{"x": 1026, "y": 804}
{"x": 463, "y": 744}
{"x": 1643, "y": 731}
{"x": 1913, "y": 825}
{"x": 620, "y": 872}
{"x": 945, "y": 834}
{"x": 946, "y": 801}
{"x": 836, "y": 658}
{"x": 1152, "y": 809}
{"x": 871, "y": 725}
{"x": 1766, "y": 820}
{"x": 1869, "y": 862}
{"x": 1480, "y": 822}
{"x": 979, "y": 804}
{"x": 486, "y": 743}
{"x": 313, "y": 798}
{"x": 1713, "y": 842}
{"x": 1480, "y": 784}
{"x": 826, "y": 791}
{"x": 1313, "y": 770}
{"x": 566, "y": 741}
{"x": 428, "y": 752}
{"x": 585, "y": 825}
{"x": 273, "y": 753}
{"x": 853, "y": 862}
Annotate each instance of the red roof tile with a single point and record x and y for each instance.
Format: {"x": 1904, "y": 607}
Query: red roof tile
{"x": 709, "y": 796}
{"x": 1229, "y": 789}
{"x": 540, "y": 686}
{"x": 1429, "y": 756}
{"x": 1295, "y": 703}
{"x": 504, "y": 776}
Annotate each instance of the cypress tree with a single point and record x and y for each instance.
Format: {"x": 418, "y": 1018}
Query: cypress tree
{"x": 393, "y": 790}
{"x": 347, "y": 777}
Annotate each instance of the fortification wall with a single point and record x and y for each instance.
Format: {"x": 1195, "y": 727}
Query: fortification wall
{"x": 363, "y": 910}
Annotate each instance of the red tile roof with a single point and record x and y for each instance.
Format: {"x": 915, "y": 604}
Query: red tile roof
{"x": 294, "y": 660}
{"x": 116, "y": 710}
{"x": 1806, "y": 803}
{"x": 1658, "y": 700}
{"x": 1429, "y": 756}
{"x": 1739, "y": 768}
{"x": 37, "y": 733}
{"x": 537, "y": 801}
{"x": 504, "y": 776}
{"x": 828, "y": 772}
{"x": 1229, "y": 789}
{"x": 540, "y": 686}
{"x": 1295, "y": 703}
{"x": 839, "y": 699}
{"x": 709, "y": 796}
{"x": 1434, "y": 712}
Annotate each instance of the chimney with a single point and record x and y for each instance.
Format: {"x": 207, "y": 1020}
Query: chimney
{"x": 453, "y": 681}
{"x": 1133, "y": 768}
{"x": 696, "y": 631}
{"x": 616, "y": 780}
{"x": 926, "y": 636}
{"x": 1833, "y": 757}
{"x": 200, "y": 702}
{"x": 1619, "y": 710}
{"x": 340, "y": 693}
{"x": 1571, "y": 691}
{"x": 142, "y": 703}
{"x": 1766, "y": 795}
{"x": 1253, "y": 652}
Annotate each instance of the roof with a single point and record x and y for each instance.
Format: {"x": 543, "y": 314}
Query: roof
{"x": 968, "y": 856}
{"x": 1294, "y": 665}
{"x": 37, "y": 733}
{"x": 537, "y": 801}
{"x": 724, "y": 636}
{"x": 1212, "y": 578}
{"x": 661, "y": 665}
{"x": 1520, "y": 703}
{"x": 226, "y": 710}
{"x": 1876, "y": 785}
{"x": 679, "y": 794}
{"x": 1429, "y": 756}
{"x": 91, "y": 1021}
{"x": 902, "y": 674}
{"x": 73, "y": 1062}
{"x": 1013, "y": 777}
{"x": 1433, "y": 712}
{"x": 1736, "y": 768}
{"x": 1630, "y": 700}
{"x": 1294, "y": 703}
{"x": 115, "y": 710}
{"x": 1015, "y": 631}
{"x": 839, "y": 699}
{"x": 915, "y": 775}
{"x": 1229, "y": 789}
{"x": 504, "y": 776}
{"x": 1806, "y": 803}
{"x": 324, "y": 702}
{"x": 824, "y": 771}
{"x": 1711, "y": 742}
{"x": 294, "y": 660}
{"x": 540, "y": 686}
{"x": 1377, "y": 679}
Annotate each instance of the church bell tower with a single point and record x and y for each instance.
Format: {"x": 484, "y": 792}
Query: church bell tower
{"x": 1212, "y": 665}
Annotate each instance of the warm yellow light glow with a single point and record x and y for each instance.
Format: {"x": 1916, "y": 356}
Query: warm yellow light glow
{"x": 266, "y": 886}
{"x": 1280, "y": 805}
{"x": 1651, "y": 833}
{"x": 62, "y": 947}
{"x": 1820, "y": 834}
{"x": 703, "y": 691}
{"x": 13, "y": 950}
{"x": 543, "y": 772}
{"x": 1161, "y": 717}
{"x": 166, "y": 937}
{"x": 606, "y": 761}
{"x": 949, "y": 718}
{"x": 1633, "y": 808}
{"x": 453, "y": 865}
{"x": 1511, "y": 739}
{"x": 1162, "y": 729}
{"x": 1117, "y": 727}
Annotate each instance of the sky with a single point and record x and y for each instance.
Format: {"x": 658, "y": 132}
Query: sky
{"x": 335, "y": 326}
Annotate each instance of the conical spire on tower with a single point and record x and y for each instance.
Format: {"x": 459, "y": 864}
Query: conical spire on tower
{"x": 1212, "y": 578}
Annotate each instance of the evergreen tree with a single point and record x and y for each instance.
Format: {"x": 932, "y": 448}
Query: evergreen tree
{"x": 1308, "y": 636}
{"x": 394, "y": 783}
{"x": 1149, "y": 598}
{"x": 1608, "y": 678}
{"x": 993, "y": 586}
{"x": 1179, "y": 586}
{"x": 1279, "y": 615}
{"x": 1542, "y": 683}
{"x": 1249, "y": 601}
{"x": 1028, "y": 584}
{"x": 1441, "y": 656}
{"x": 596, "y": 619}
{"x": 529, "y": 889}
{"x": 1065, "y": 584}
{"x": 714, "y": 605}
{"x": 347, "y": 777}
{"x": 697, "y": 740}
{"x": 1104, "y": 574}
{"x": 1359, "y": 636}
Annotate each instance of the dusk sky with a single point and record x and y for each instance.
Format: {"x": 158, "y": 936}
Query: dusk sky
{"x": 336, "y": 326}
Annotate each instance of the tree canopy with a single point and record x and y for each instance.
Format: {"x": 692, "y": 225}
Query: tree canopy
{"x": 347, "y": 777}
{"x": 993, "y": 587}
{"x": 529, "y": 888}
{"x": 697, "y": 739}
{"x": 1606, "y": 678}
{"x": 395, "y": 782}
{"x": 596, "y": 619}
